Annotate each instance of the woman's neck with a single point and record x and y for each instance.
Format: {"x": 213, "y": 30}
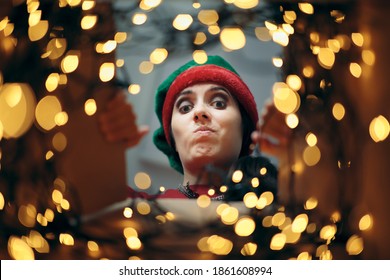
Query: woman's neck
{"x": 205, "y": 176}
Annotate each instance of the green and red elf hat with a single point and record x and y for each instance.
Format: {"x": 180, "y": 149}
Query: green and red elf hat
{"x": 216, "y": 70}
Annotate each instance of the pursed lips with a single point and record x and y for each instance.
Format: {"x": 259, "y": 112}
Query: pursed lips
{"x": 204, "y": 129}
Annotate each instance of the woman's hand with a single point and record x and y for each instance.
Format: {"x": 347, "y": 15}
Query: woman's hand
{"x": 118, "y": 122}
{"x": 272, "y": 133}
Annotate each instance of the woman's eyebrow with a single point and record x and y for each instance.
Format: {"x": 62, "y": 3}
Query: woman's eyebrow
{"x": 217, "y": 88}
{"x": 185, "y": 92}
{"x": 182, "y": 96}
{"x": 189, "y": 91}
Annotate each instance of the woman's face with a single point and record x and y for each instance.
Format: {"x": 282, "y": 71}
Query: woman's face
{"x": 206, "y": 126}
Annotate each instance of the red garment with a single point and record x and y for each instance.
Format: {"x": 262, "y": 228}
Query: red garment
{"x": 170, "y": 193}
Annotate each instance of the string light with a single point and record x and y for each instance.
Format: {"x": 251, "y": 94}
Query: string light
{"x": 233, "y": 38}
{"x": 182, "y": 22}
{"x": 272, "y": 225}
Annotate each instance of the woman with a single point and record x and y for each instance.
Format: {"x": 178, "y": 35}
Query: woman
{"x": 208, "y": 120}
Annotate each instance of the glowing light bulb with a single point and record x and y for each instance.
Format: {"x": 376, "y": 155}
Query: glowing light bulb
{"x": 232, "y": 38}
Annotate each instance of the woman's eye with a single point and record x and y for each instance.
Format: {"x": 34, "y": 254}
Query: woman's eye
{"x": 185, "y": 108}
{"x": 219, "y": 104}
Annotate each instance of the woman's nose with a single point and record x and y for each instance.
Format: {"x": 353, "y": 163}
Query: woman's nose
{"x": 201, "y": 114}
